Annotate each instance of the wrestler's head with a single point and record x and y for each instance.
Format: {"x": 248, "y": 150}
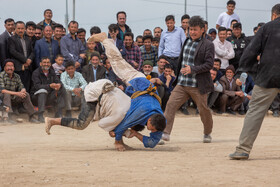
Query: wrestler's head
{"x": 156, "y": 122}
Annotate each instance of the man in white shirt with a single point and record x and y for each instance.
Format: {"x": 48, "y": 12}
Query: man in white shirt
{"x": 223, "y": 48}
{"x": 225, "y": 18}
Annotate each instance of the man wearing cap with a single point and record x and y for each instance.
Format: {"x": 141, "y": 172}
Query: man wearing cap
{"x": 232, "y": 96}
{"x": 212, "y": 33}
{"x": 13, "y": 91}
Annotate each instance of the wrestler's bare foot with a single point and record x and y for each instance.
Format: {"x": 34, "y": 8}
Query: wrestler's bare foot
{"x": 119, "y": 146}
{"x": 98, "y": 37}
{"x": 112, "y": 134}
{"x": 48, "y": 125}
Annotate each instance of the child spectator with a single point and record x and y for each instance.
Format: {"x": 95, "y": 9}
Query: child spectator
{"x": 90, "y": 49}
{"x": 217, "y": 65}
{"x": 58, "y": 65}
{"x": 155, "y": 42}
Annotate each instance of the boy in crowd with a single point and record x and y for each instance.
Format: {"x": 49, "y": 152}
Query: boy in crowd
{"x": 90, "y": 49}
{"x": 139, "y": 41}
{"x": 159, "y": 69}
{"x": 155, "y": 42}
{"x": 148, "y": 51}
{"x": 217, "y": 65}
{"x": 58, "y": 65}
{"x": 218, "y": 88}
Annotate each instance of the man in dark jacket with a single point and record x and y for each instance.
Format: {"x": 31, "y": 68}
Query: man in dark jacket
{"x": 47, "y": 19}
{"x": 123, "y": 28}
{"x": 267, "y": 80}
{"x": 239, "y": 42}
{"x": 21, "y": 51}
{"x": 194, "y": 79}
{"x": 47, "y": 89}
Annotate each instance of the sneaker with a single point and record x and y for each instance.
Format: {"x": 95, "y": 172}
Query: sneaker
{"x": 230, "y": 111}
{"x": 207, "y": 138}
{"x": 242, "y": 112}
{"x": 275, "y": 113}
{"x": 239, "y": 156}
{"x": 165, "y": 137}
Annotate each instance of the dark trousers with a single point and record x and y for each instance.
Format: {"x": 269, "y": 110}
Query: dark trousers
{"x": 275, "y": 105}
{"x": 25, "y": 77}
{"x": 232, "y": 102}
{"x": 53, "y": 98}
{"x": 212, "y": 97}
{"x": 9, "y": 100}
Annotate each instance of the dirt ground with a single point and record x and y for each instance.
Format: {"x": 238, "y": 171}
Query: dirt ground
{"x": 29, "y": 157}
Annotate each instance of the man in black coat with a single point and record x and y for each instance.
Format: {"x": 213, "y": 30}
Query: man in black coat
{"x": 267, "y": 80}
{"x": 21, "y": 51}
{"x": 194, "y": 79}
{"x": 4, "y": 53}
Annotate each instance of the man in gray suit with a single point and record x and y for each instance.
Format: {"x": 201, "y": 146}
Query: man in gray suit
{"x": 10, "y": 27}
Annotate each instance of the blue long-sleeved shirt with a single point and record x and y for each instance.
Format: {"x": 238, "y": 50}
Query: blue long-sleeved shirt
{"x": 141, "y": 109}
{"x": 171, "y": 42}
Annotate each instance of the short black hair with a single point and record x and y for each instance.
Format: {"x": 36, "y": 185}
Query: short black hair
{"x": 138, "y": 127}
{"x": 276, "y": 9}
{"x": 255, "y": 28}
{"x": 113, "y": 27}
{"x": 158, "y": 121}
{"x": 68, "y": 64}
{"x": 58, "y": 55}
{"x": 57, "y": 26}
{"x": 158, "y": 28}
{"x": 147, "y": 37}
{"x": 261, "y": 24}
{"x": 222, "y": 29}
{"x": 214, "y": 69}
{"x": 228, "y": 29}
{"x": 185, "y": 16}
{"x": 120, "y": 12}
{"x": 80, "y": 30}
{"x": 20, "y": 22}
{"x": 197, "y": 21}
{"x": 8, "y": 60}
{"x": 94, "y": 30}
{"x": 9, "y": 20}
{"x": 73, "y": 22}
{"x": 218, "y": 60}
{"x": 39, "y": 27}
{"x": 162, "y": 57}
{"x": 237, "y": 25}
{"x": 30, "y": 24}
{"x": 95, "y": 53}
{"x": 233, "y": 21}
{"x": 129, "y": 34}
{"x": 47, "y": 10}
{"x": 168, "y": 66}
{"x": 169, "y": 17}
{"x": 231, "y": 2}
{"x": 44, "y": 58}
{"x": 156, "y": 39}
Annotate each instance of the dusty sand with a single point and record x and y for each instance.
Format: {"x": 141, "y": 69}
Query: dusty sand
{"x": 68, "y": 157}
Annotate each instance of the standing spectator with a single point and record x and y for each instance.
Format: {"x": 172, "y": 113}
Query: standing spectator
{"x": 225, "y": 18}
{"x": 232, "y": 96}
{"x": 47, "y": 89}
{"x": 218, "y": 88}
{"x": 147, "y": 32}
{"x": 81, "y": 34}
{"x": 21, "y": 51}
{"x": 157, "y": 32}
{"x": 38, "y": 32}
{"x": 113, "y": 32}
{"x": 223, "y": 48}
{"x": 4, "y": 52}
{"x": 194, "y": 79}
{"x": 98, "y": 47}
{"x": 13, "y": 90}
{"x": 275, "y": 106}
{"x": 239, "y": 42}
{"x": 47, "y": 19}
{"x": 93, "y": 71}
{"x": 148, "y": 51}
{"x": 71, "y": 46}
{"x": 57, "y": 32}
{"x": 46, "y": 47}
{"x": 139, "y": 41}
{"x": 185, "y": 23}
{"x": 123, "y": 27}
{"x": 155, "y": 42}
{"x": 133, "y": 53}
{"x": 30, "y": 31}
{"x": 229, "y": 33}
{"x": 212, "y": 33}
{"x": 74, "y": 83}
{"x": 171, "y": 42}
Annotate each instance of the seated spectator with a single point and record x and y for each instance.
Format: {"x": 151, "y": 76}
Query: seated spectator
{"x": 47, "y": 89}
{"x": 46, "y": 47}
{"x": 138, "y": 41}
{"x": 167, "y": 80}
{"x": 39, "y": 32}
{"x": 74, "y": 83}
{"x": 159, "y": 69}
{"x": 13, "y": 91}
{"x": 81, "y": 34}
{"x": 148, "y": 51}
{"x": 155, "y": 42}
{"x": 133, "y": 53}
{"x": 47, "y": 19}
{"x": 93, "y": 71}
{"x": 90, "y": 50}
{"x": 218, "y": 88}
{"x": 217, "y": 65}
{"x": 98, "y": 47}
{"x": 58, "y": 65}
{"x": 113, "y": 32}
{"x": 147, "y": 69}
{"x": 223, "y": 48}
{"x": 232, "y": 96}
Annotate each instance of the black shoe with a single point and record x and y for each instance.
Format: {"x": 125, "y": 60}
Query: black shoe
{"x": 239, "y": 156}
{"x": 33, "y": 120}
{"x": 185, "y": 111}
{"x": 58, "y": 114}
{"x": 41, "y": 118}
{"x": 230, "y": 111}
{"x": 242, "y": 112}
{"x": 219, "y": 112}
{"x": 275, "y": 113}
{"x": 68, "y": 114}
{"x": 15, "y": 111}
{"x": 22, "y": 110}
{"x": 196, "y": 112}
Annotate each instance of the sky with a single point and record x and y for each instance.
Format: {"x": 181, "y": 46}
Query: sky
{"x": 141, "y": 14}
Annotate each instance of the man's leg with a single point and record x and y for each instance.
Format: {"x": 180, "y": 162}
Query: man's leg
{"x": 258, "y": 106}
{"x": 223, "y": 103}
{"x": 177, "y": 98}
{"x": 212, "y": 98}
{"x": 120, "y": 67}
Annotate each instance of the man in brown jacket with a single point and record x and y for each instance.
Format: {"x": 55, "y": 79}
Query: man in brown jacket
{"x": 232, "y": 96}
{"x": 194, "y": 79}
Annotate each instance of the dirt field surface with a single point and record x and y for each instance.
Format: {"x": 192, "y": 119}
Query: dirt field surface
{"x": 29, "y": 157}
